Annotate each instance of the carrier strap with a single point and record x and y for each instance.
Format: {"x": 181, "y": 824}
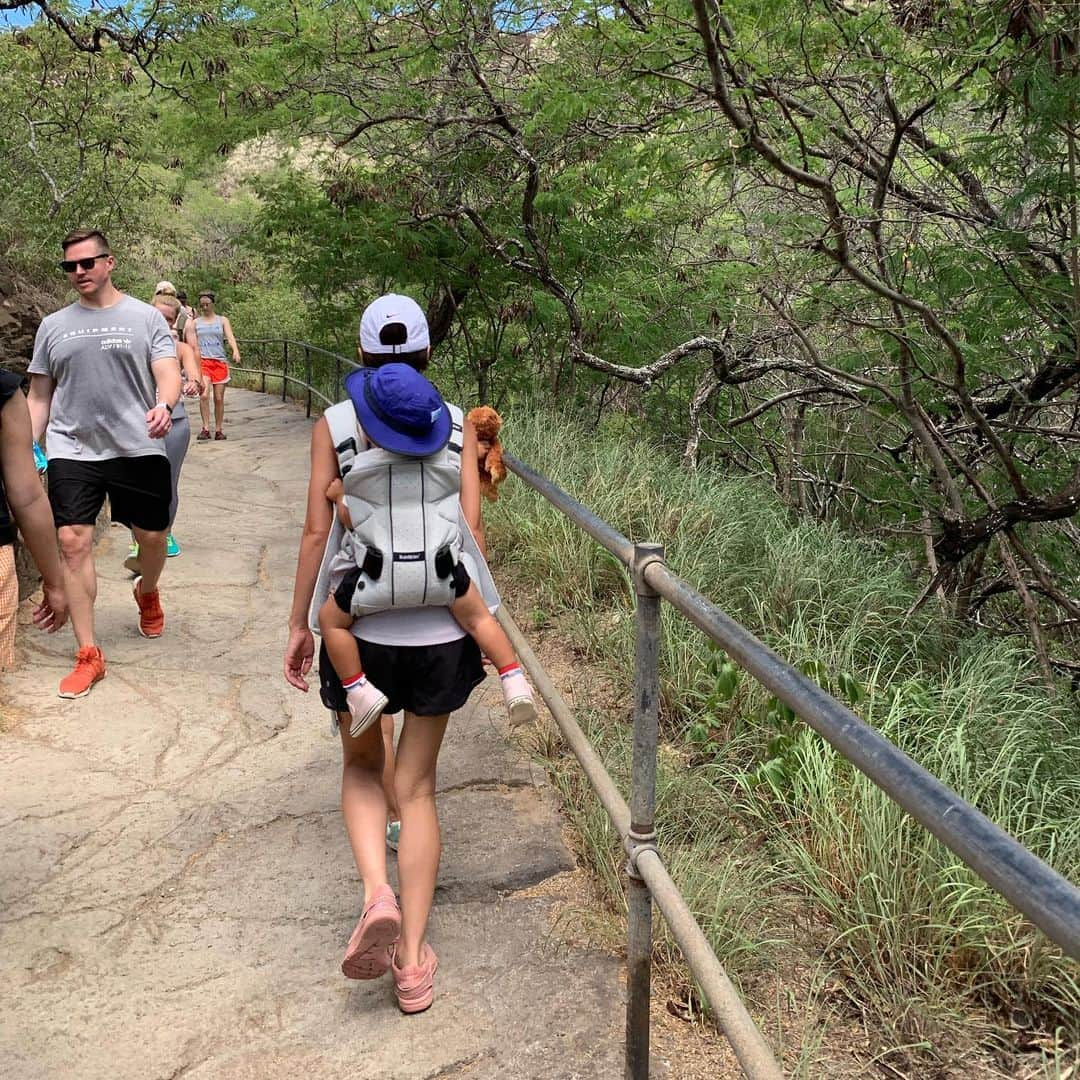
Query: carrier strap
{"x": 345, "y": 434}
{"x": 457, "y": 430}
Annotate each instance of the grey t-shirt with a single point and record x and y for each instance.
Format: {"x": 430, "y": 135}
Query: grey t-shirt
{"x": 100, "y": 360}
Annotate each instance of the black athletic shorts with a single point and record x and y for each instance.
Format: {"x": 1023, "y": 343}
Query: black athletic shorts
{"x": 426, "y": 680}
{"x": 343, "y": 594}
{"x": 139, "y": 490}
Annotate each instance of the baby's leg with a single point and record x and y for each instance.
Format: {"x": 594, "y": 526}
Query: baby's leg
{"x": 366, "y": 701}
{"x": 472, "y": 615}
{"x": 340, "y": 645}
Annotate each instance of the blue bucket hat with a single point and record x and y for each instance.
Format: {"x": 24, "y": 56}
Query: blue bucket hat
{"x": 399, "y": 409}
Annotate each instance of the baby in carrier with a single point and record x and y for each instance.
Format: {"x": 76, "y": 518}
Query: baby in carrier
{"x": 398, "y": 498}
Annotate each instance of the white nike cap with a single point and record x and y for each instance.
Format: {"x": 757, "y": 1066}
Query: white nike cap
{"x": 393, "y": 324}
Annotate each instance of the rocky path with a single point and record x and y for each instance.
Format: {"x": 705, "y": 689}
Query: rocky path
{"x": 175, "y": 883}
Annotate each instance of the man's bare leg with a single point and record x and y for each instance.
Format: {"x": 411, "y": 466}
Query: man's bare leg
{"x": 80, "y": 578}
{"x": 151, "y": 557}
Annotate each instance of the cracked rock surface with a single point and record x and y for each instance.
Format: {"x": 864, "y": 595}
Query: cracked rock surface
{"x": 176, "y": 887}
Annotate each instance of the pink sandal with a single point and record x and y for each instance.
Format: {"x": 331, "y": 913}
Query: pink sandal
{"x": 368, "y": 954}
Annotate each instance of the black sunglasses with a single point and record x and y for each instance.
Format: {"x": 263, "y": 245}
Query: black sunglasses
{"x": 68, "y": 265}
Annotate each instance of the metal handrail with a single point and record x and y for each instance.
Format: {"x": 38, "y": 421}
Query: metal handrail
{"x": 1046, "y": 897}
{"x": 300, "y": 344}
{"x": 314, "y": 391}
{"x": 306, "y": 383}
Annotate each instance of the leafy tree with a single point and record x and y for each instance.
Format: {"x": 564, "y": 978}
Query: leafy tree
{"x": 836, "y": 245}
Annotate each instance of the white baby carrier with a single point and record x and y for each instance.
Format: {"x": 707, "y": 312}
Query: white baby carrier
{"x": 408, "y": 532}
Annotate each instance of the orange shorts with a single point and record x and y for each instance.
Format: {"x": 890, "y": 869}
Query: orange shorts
{"x": 216, "y": 371}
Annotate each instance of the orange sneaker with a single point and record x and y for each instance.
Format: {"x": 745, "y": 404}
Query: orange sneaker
{"x": 151, "y": 617}
{"x": 89, "y": 669}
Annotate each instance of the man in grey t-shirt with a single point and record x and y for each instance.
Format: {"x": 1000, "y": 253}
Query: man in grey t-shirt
{"x": 103, "y": 380}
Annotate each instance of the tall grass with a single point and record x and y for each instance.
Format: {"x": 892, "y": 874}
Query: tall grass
{"x": 755, "y": 809}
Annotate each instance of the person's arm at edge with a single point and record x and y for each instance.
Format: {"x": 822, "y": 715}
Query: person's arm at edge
{"x": 227, "y": 327}
{"x": 166, "y": 372}
{"x": 39, "y": 401}
{"x": 191, "y": 363}
{"x": 300, "y": 649}
{"x": 191, "y": 339}
{"x": 30, "y": 508}
{"x": 470, "y": 485}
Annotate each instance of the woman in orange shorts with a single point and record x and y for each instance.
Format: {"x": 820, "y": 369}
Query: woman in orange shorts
{"x": 213, "y": 331}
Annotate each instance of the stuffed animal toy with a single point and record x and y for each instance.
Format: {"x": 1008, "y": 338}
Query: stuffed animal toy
{"x": 487, "y": 422}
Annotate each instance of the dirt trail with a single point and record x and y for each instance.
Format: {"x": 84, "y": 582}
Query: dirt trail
{"x": 176, "y": 887}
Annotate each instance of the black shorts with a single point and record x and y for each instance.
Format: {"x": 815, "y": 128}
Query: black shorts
{"x": 139, "y": 490}
{"x": 426, "y": 680}
{"x": 343, "y": 594}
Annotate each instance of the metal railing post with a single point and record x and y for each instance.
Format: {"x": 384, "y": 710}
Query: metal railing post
{"x": 307, "y": 378}
{"x": 284, "y": 369}
{"x": 642, "y": 834}
{"x": 262, "y": 365}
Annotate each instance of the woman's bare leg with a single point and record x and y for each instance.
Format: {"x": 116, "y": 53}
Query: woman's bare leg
{"x": 204, "y": 403}
{"x": 419, "y": 848}
{"x": 363, "y": 804}
{"x": 388, "y": 767}
{"x": 219, "y": 405}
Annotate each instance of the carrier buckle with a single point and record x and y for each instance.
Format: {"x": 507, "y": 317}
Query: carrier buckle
{"x": 346, "y": 454}
{"x": 372, "y": 564}
{"x": 444, "y": 562}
